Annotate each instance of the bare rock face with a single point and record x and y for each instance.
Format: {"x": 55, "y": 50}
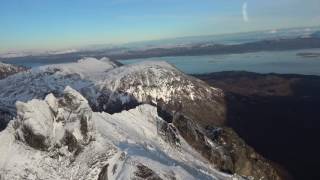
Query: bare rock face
{"x": 220, "y": 145}
{"x": 245, "y": 160}
{"x": 55, "y": 123}
{"x": 143, "y": 172}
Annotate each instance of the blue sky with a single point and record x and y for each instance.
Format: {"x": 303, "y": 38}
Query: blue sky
{"x": 59, "y": 24}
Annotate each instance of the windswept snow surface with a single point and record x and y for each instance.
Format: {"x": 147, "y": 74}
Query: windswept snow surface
{"x": 121, "y": 143}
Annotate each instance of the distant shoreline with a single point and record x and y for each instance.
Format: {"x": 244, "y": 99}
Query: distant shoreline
{"x": 219, "y": 49}
{"x": 309, "y": 54}
{"x": 195, "y": 50}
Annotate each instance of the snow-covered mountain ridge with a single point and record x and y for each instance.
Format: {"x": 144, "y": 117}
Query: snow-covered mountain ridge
{"x": 111, "y": 88}
{"x": 61, "y": 138}
{"x": 187, "y": 116}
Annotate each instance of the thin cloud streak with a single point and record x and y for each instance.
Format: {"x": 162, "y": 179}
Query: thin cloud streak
{"x": 245, "y": 12}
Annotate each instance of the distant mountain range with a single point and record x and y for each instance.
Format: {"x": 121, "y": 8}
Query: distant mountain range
{"x": 215, "y": 49}
{"x": 192, "y": 50}
{"x": 180, "y": 42}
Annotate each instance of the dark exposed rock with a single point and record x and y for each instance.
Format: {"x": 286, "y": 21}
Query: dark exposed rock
{"x": 70, "y": 141}
{"x": 169, "y": 132}
{"x": 222, "y": 147}
{"x": 143, "y": 172}
{"x": 109, "y": 105}
{"x": 246, "y": 161}
{"x": 50, "y": 124}
{"x": 114, "y": 168}
{"x": 103, "y": 175}
{"x": 37, "y": 141}
{"x": 164, "y": 114}
{"x": 195, "y": 136}
{"x": 5, "y": 117}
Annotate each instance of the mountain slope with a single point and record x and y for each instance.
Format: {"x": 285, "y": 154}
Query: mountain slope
{"x": 62, "y": 139}
{"x": 262, "y": 103}
{"x": 37, "y": 83}
{"x": 113, "y": 89}
{"x": 192, "y": 112}
{"x": 161, "y": 83}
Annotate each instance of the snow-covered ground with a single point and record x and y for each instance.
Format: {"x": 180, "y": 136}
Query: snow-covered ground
{"x": 98, "y": 119}
{"x": 63, "y": 139}
{"x": 125, "y": 145}
{"x": 37, "y": 83}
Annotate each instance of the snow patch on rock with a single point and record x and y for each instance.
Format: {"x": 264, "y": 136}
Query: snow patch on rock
{"x": 55, "y": 122}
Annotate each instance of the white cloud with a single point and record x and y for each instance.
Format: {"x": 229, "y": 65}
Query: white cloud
{"x": 245, "y": 12}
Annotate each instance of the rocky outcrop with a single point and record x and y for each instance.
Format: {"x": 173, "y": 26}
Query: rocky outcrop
{"x": 143, "y": 172}
{"x": 55, "y": 122}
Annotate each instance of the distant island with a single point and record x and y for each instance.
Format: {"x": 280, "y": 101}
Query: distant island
{"x": 309, "y": 54}
{"x": 218, "y": 49}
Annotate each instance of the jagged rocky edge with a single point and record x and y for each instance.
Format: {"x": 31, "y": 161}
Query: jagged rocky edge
{"x": 56, "y": 138}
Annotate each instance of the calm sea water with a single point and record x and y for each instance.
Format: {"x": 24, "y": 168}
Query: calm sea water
{"x": 262, "y": 62}
{"x": 284, "y": 62}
